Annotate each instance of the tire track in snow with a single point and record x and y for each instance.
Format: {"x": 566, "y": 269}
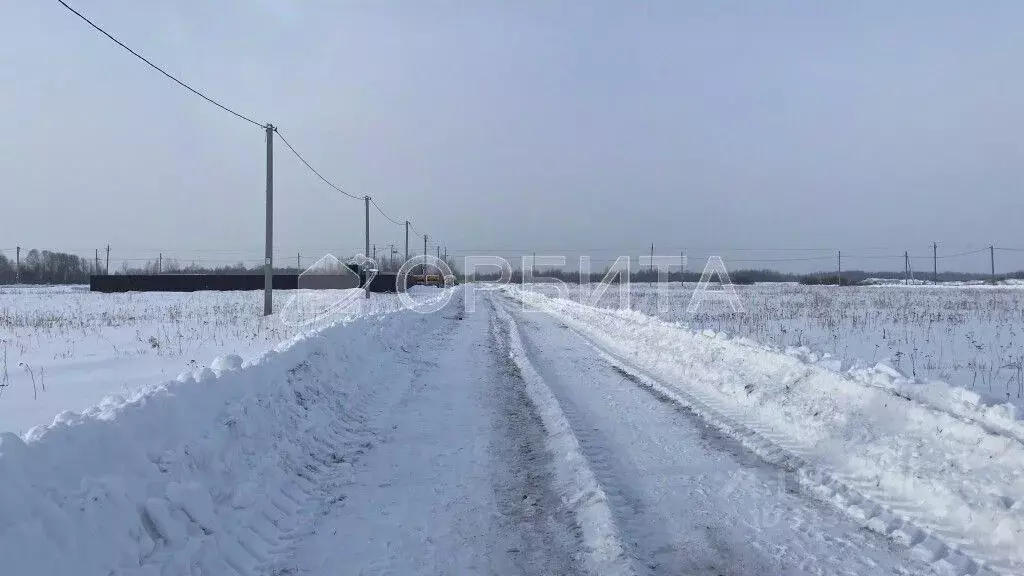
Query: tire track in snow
{"x": 603, "y": 551}
{"x": 326, "y": 471}
{"x": 737, "y": 517}
{"x": 924, "y": 544}
{"x": 916, "y": 526}
{"x": 461, "y": 481}
{"x": 543, "y": 536}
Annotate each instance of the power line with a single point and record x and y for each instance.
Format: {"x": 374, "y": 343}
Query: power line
{"x": 978, "y": 251}
{"x": 754, "y": 261}
{"x": 313, "y": 170}
{"x": 157, "y": 68}
{"x": 382, "y": 213}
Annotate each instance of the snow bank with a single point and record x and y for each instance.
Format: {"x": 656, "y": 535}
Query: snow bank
{"x": 65, "y": 348}
{"x": 930, "y": 467}
{"x": 211, "y": 473}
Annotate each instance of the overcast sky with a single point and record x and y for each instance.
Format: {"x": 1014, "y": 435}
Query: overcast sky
{"x": 555, "y": 126}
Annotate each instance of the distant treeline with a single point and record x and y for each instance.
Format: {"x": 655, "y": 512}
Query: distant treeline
{"x": 851, "y": 277}
{"x": 46, "y": 267}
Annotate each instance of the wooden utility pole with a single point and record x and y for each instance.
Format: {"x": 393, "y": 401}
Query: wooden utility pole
{"x": 96, "y": 262}
{"x": 682, "y": 268}
{"x": 839, "y": 262}
{"x": 107, "y": 267}
{"x": 268, "y": 249}
{"x": 906, "y": 268}
{"x": 298, "y": 262}
{"x": 160, "y": 263}
{"x": 424, "y": 256}
{"x": 406, "y": 240}
{"x": 935, "y": 262}
{"x": 374, "y": 252}
{"x": 17, "y": 265}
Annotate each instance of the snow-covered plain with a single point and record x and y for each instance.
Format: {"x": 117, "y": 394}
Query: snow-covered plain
{"x": 968, "y": 336}
{"x": 65, "y": 348}
{"x": 556, "y": 439}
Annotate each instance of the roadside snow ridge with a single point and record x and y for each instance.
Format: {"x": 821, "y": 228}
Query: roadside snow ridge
{"x": 937, "y": 480}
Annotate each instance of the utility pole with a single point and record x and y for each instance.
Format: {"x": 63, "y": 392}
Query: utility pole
{"x": 992, "y": 259}
{"x": 366, "y": 248}
{"x": 439, "y": 252}
{"x": 160, "y": 263}
{"x": 682, "y": 268}
{"x": 906, "y": 268}
{"x": 935, "y": 262}
{"x": 268, "y": 255}
{"x": 374, "y": 252}
{"x": 424, "y": 257}
{"x": 651, "y": 270}
{"x": 107, "y": 267}
{"x": 839, "y": 262}
{"x": 366, "y": 202}
{"x": 533, "y": 267}
{"x": 298, "y": 262}
{"x": 17, "y": 265}
{"x": 446, "y": 253}
{"x": 96, "y": 262}
{"x": 406, "y": 240}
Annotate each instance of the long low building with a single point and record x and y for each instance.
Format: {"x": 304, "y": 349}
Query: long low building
{"x": 224, "y": 282}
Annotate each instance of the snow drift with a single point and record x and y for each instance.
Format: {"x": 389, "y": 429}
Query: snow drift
{"x": 212, "y": 473}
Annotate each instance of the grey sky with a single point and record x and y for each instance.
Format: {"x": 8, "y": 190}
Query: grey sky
{"x": 520, "y": 125}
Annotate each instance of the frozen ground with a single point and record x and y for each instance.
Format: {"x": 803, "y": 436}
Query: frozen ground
{"x": 529, "y": 436}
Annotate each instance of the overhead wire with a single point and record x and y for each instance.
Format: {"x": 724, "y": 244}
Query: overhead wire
{"x": 159, "y": 69}
{"x": 220, "y": 105}
{"x": 384, "y": 214}
{"x": 313, "y": 170}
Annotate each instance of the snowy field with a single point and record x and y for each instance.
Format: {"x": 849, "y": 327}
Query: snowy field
{"x": 969, "y": 336}
{"x": 531, "y": 435}
{"x": 65, "y": 348}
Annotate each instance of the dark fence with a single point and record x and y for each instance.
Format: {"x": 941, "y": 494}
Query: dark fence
{"x": 224, "y": 282}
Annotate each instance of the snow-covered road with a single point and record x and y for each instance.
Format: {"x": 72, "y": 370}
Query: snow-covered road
{"x": 460, "y": 479}
{"x": 456, "y": 481}
{"x": 685, "y": 499}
